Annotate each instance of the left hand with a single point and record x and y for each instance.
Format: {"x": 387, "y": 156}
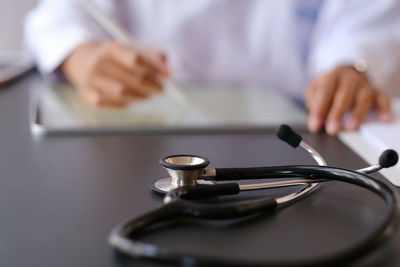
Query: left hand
{"x": 331, "y": 95}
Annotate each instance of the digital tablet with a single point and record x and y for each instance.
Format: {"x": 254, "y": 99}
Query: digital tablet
{"x": 57, "y": 108}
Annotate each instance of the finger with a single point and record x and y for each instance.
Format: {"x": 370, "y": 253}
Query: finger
{"x": 90, "y": 95}
{"x": 132, "y": 60}
{"x": 313, "y": 123}
{"x": 320, "y": 101}
{"x": 134, "y": 85}
{"x": 343, "y": 100}
{"x": 94, "y": 97}
{"x": 154, "y": 84}
{"x": 159, "y": 61}
{"x": 310, "y": 91}
{"x": 362, "y": 104}
{"x": 383, "y": 106}
{"x": 113, "y": 90}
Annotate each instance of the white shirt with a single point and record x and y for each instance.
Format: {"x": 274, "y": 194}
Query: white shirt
{"x": 282, "y": 43}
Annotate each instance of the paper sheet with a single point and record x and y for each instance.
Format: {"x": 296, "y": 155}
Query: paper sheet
{"x": 375, "y": 137}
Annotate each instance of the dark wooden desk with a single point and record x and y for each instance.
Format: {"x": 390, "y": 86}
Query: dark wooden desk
{"x": 60, "y": 196}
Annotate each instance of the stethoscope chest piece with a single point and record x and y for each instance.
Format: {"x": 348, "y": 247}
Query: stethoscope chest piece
{"x": 165, "y": 185}
{"x": 184, "y": 170}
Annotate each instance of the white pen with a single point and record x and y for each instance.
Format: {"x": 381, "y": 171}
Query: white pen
{"x": 122, "y": 36}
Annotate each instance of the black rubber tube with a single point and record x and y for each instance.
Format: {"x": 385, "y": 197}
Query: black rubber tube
{"x": 225, "y": 174}
{"x": 119, "y": 237}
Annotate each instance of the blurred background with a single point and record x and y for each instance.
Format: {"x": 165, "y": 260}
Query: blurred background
{"x": 12, "y": 15}
{"x": 13, "y": 12}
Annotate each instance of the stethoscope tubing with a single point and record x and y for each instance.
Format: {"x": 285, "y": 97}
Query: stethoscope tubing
{"x": 121, "y": 236}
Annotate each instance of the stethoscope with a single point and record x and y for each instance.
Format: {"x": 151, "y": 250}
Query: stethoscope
{"x": 190, "y": 180}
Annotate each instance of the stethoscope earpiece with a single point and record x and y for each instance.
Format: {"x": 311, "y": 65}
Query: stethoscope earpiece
{"x": 286, "y": 134}
{"x": 388, "y": 158}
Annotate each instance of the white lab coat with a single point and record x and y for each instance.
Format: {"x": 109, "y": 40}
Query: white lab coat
{"x": 283, "y": 43}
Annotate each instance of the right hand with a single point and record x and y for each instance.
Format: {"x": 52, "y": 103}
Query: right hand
{"x": 111, "y": 75}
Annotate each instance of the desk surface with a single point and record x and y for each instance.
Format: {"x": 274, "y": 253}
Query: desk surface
{"x": 60, "y": 196}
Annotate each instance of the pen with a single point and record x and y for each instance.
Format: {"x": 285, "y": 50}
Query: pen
{"x": 122, "y": 36}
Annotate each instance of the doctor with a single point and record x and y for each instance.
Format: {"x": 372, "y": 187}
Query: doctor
{"x": 306, "y": 48}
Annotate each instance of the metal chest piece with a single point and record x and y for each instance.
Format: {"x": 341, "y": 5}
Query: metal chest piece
{"x": 184, "y": 170}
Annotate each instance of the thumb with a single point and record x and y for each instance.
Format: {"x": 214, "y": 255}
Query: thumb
{"x": 159, "y": 61}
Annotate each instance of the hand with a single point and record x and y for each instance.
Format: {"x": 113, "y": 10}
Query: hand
{"x": 112, "y": 75}
{"x": 330, "y": 96}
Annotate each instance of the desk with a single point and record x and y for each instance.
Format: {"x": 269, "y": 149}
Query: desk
{"x": 60, "y": 196}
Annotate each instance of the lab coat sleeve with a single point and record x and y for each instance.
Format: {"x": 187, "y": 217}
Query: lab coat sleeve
{"x": 56, "y": 27}
{"x": 349, "y": 30}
